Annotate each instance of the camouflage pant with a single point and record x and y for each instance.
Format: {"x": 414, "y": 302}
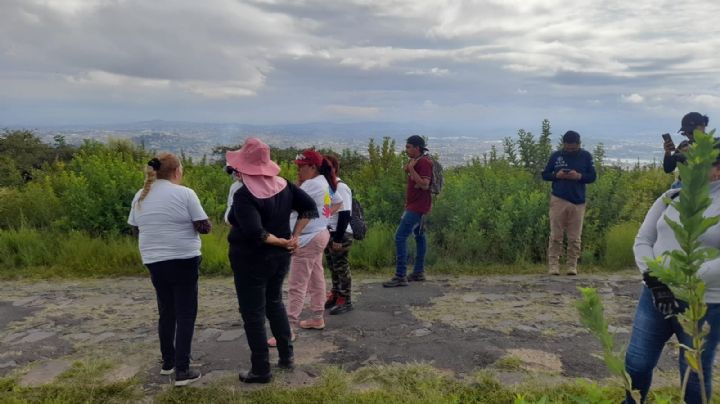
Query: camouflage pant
{"x": 339, "y": 264}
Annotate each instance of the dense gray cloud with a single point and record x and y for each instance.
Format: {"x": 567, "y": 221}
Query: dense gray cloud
{"x": 602, "y": 64}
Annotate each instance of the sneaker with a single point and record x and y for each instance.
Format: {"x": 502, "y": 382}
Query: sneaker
{"x": 185, "y": 377}
{"x": 554, "y": 271}
{"x": 343, "y": 306}
{"x": 250, "y": 377}
{"x": 396, "y": 281}
{"x": 272, "y": 342}
{"x": 331, "y": 299}
{"x": 313, "y": 324}
{"x": 167, "y": 369}
{"x": 416, "y": 277}
{"x": 571, "y": 271}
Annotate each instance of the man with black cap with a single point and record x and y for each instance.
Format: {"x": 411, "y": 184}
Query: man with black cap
{"x": 569, "y": 169}
{"x": 418, "y": 201}
{"x": 690, "y": 122}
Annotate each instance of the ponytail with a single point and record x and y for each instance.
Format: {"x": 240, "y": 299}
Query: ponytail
{"x": 327, "y": 171}
{"x": 161, "y": 167}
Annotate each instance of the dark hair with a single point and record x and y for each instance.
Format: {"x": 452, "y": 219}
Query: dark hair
{"x": 326, "y": 170}
{"x": 417, "y": 141}
{"x": 571, "y": 137}
{"x": 334, "y": 162}
{"x": 155, "y": 163}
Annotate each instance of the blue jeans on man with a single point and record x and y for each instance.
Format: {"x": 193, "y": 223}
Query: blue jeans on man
{"x": 410, "y": 222}
{"x": 651, "y": 330}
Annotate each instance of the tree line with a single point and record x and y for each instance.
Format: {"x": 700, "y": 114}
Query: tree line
{"x": 493, "y": 209}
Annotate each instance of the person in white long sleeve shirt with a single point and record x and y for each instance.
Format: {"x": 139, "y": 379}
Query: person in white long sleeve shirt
{"x": 655, "y": 320}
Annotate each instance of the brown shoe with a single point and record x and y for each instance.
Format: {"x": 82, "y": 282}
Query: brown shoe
{"x": 313, "y": 324}
{"x": 554, "y": 271}
{"x": 571, "y": 271}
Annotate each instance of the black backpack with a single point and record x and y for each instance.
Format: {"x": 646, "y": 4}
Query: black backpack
{"x": 357, "y": 220}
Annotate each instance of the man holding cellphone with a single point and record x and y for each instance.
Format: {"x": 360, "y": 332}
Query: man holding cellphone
{"x": 690, "y": 122}
{"x": 569, "y": 169}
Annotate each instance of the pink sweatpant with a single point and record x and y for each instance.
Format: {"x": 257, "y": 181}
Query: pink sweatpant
{"x": 307, "y": 277}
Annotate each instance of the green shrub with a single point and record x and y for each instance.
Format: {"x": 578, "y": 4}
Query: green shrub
{"x": 26, "y": 247}
{"x": 377, "y": 250}
{"x": 619, "y": 245}
{"x": 215, "y": 251}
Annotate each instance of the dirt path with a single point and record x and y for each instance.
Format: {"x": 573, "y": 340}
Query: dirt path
{"x": 518, "y": 326}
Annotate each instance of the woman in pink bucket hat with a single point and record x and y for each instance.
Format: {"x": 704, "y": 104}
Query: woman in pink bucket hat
{"x": 261, "y": 242}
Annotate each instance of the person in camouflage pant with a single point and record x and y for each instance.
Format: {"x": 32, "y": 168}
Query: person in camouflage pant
{"x": 338, "y": 249}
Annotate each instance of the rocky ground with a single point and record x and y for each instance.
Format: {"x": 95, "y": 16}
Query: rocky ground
{"x": 520, "y": 327}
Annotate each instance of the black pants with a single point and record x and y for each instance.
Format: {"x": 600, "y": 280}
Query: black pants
{"x": 176, "y": 287}
{"x": 258, "y": 283}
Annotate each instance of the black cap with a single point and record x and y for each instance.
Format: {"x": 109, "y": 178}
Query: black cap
{"x": 417, "y": 141}
{"x": 692, "y": 120}
{"x": 571, "y": 137}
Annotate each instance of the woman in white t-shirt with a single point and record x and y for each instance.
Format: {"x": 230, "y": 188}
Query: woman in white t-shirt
{"x": 168, "y": 218}
{"x": 306, "y": 268}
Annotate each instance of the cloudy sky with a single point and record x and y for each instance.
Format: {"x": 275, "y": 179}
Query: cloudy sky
{"x": 485, "y": 66}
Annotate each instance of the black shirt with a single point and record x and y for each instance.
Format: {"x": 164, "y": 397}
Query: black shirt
{"x": 670, "y": 161}
{"x": 252, "y": 218}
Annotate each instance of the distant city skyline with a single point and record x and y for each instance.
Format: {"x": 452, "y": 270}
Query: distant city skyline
{"x": 601, "y": 67}
{"x": 198, "y": 139}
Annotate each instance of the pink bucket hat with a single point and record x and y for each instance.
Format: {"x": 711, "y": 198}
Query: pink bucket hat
{"x": 252, "y": 159}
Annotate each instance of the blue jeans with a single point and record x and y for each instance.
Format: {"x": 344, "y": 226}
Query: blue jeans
{"x": 410, "y": 222}
{"x": 649, "y": 335}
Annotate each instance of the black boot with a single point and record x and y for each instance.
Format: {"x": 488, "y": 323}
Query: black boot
{"x": 343, "y": 305}
{"x": 250, "y": 377}
{"x": 287, "y": 364}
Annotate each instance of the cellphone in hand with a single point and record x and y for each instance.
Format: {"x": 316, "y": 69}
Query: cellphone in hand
{"x": 666, "y": 137}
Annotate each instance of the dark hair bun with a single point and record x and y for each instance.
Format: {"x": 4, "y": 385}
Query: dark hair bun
{"x": 154, "y": 163}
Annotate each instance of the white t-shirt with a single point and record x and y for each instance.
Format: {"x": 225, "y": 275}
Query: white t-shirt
{"x": 236, "y": 185}
{"x": 165, "y": 219}
{"x": 319, "y": 190}
{"x": 345, "y": 194}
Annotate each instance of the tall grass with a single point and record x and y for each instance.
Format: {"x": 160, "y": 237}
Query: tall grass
{"x": 215, "y": 252}
{"x": 377, "y": 250}
{"x": 27, "y": 252}
{"x": 619, "y": 246}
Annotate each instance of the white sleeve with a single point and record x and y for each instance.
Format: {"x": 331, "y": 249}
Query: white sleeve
{"x": 236, "y": 185}
{"x": 346, "y": 195}
{"x": 647, "y": 235}
{"x": 336, "y": 198}
{"x": 131, "y": 217}
{"x": 194, "y": 207}
{"x": 315, "y": 190}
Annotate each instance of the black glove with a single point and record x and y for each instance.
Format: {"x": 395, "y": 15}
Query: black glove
{"x": 663, "y": 298}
